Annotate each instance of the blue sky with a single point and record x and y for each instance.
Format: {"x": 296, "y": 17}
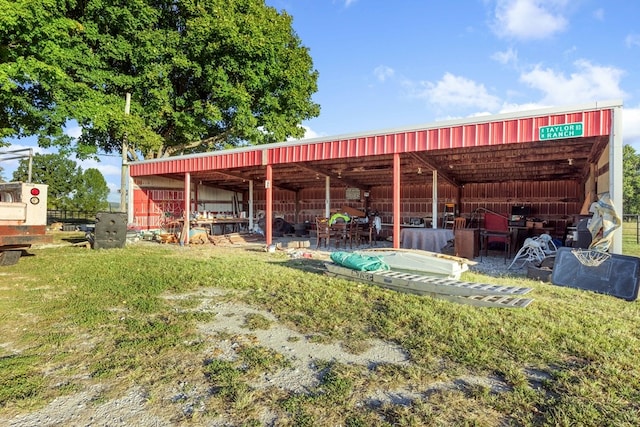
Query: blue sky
{"x": 387, "y": 64}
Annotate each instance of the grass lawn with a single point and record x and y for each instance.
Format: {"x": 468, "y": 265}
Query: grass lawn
{"x": 71, "y": 317}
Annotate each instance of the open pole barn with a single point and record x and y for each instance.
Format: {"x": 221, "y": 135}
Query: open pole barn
{"x": 554, "y": 162}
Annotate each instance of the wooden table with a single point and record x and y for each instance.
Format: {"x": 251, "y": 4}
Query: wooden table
{"x": 235, "y": 224}
{"x": 506, "y": 235}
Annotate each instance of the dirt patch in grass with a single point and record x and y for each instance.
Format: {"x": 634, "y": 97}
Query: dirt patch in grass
{"x": 295, "y": 364}
{"x": 301, "y": 351}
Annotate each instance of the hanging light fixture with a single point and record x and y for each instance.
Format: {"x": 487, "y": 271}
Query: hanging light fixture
{"x": 419, "y": 170}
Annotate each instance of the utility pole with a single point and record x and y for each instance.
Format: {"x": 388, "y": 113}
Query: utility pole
{"x": 125, "y": 150}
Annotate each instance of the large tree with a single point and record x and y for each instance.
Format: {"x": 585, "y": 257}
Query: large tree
{"x": 203, "y": 74}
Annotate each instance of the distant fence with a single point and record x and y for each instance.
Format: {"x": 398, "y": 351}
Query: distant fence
{"x": 636, "y": 220}
{"x": 76, "y": 217}
{"x": 70, "y": 217}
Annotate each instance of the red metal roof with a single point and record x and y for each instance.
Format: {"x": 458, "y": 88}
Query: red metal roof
{"x": 479, "y": 132}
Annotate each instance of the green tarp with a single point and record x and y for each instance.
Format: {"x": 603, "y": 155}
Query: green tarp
{"x": 359, "y": 262}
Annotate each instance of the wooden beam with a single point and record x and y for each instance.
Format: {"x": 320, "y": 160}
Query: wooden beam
{"x": 441, "y": 174}
{"x": 334, "y": 176}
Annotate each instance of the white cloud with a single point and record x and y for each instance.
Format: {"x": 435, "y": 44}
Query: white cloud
{"x": 310, "y": 133}
{"x": 509, "y": 56}
{"x": 589, "y": 83}
{"x": 107, "y": 168}
{"x": 631, "y": 126}
{"x": 73, "y": 131}
{"x": 529, "y": 19}
{"x": 382, "y": 72}
{"x": 456, "y": 91}
{"x": 632, "y": 40}
{"x": 512, "y": 108}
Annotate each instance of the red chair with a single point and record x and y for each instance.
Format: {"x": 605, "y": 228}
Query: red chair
{"x": 496, "y": 230}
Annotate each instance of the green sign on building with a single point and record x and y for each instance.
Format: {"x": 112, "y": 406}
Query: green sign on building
{"x": 567, "y": 130}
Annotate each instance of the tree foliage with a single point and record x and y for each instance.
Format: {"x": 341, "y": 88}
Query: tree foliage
{"x": 92, "y": 192}
{"x": 203, "y": 74}
{"x": 631, "y": 180}
{"x": 69, "y": 187}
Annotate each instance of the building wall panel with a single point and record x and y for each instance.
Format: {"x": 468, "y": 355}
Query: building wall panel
{"x": 422, "y": 139}
{"x": 444, "y": 138}
{"x": 526, "y": 130}
{"x": 411, "y": 141}
{"x": 497, "y": 133}
{"x": 511, "y": 131}
{"x": 456, "y": 137}
{"x": 470, "y": 136}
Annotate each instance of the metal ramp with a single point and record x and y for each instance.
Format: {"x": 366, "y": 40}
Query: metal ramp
{"x": 487, "y": 300}
{"x": 477, "y": 294}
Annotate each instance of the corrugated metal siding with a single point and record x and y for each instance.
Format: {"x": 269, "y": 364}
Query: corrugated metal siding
{"x": 513, "y": 131}
{"x": 182, "y": 165}
{"x": 152, "y": 207}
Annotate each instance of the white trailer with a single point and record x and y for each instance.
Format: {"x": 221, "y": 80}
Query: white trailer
{"x": 23, "y": 219}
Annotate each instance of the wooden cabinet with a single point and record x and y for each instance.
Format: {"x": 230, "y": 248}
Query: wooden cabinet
{"x": 467, "y": 243}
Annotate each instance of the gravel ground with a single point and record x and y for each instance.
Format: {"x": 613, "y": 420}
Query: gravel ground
{"x": 496, "y": 266}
